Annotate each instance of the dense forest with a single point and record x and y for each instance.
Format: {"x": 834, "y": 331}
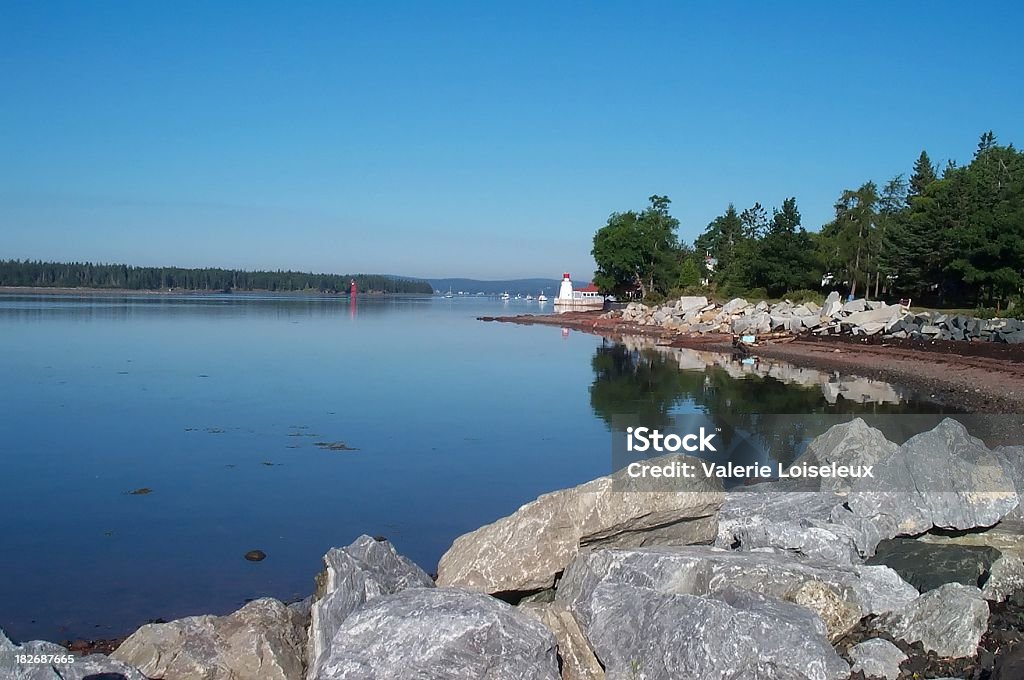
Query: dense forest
{"x": 88, "y": 275}
{"x": 949, "y": 237}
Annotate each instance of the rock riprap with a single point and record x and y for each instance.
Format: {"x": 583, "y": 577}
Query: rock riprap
{"x": 440, "y": 633}
{"x": 352, "y": 576}
{"x": 527, "y": 550}
{"x": 695, "y": 315}
{"x": 264, "y": 640}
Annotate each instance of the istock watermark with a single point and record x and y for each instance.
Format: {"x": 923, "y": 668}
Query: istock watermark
{"x": 812, "y": 452}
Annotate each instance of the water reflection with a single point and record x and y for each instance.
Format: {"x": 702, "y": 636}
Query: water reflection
{"x": 653, "y": 384}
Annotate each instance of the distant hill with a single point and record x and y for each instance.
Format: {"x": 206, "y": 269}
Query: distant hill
{"x": 522, "y": 286}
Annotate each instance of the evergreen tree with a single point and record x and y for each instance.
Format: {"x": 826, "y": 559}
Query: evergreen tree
{"x": 924, "y": 174}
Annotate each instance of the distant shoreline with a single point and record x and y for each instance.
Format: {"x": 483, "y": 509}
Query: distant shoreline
{"x": 43, "y": 290}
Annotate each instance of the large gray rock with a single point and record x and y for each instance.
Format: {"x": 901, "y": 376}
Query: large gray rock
{"x": 926, "y": 566}
{"x": 839, "y": 595}
{"x": 735, "y": 306}
{"x": 854, "y": 443}
{"x": 527, "y": 550}
{"x": 65, "y": 667}
{"x": 685, "y": 305}
{"x": 949, "y": 620}
{"x": 440, "y": 633}
{"x": 574, "y": 651}
{"x": 818, "y": 541}
{"x": 852, "y": 306}
{"x": 766, "y": 670}
{"x": 353, "y": 576}
{"x": 639, "y": 632}
{"x": 99, "y": 667}
{"x": 264, "y": 640}
{"x": 877, "y": 658}
{"x": 943, "y": 478}
{"x": 748, "y": 509}
{"x": 1006, "y": 576}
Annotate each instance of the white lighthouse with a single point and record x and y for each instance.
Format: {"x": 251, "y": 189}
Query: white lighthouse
{"x": 565, "y": 290}
{"x": 584, "y": 299}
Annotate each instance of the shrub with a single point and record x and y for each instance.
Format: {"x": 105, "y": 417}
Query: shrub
{"x": 804, "y": 295}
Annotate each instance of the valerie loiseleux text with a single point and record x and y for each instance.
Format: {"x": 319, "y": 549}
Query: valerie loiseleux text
{"x": 642, "y": 440}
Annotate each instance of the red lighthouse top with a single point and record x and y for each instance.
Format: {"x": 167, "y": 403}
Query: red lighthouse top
{"x": 565, "y": 275}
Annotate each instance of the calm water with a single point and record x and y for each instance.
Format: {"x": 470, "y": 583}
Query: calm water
{"x": 217, "y": 404}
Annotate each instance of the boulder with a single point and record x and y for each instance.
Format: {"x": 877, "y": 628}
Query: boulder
{"x": 854, "y": 306}
{"x": 734, "y": 306}
{"x": 527, "y": 550}
{"x": 640, "y": 632}
{"x": 99, "y": 667}
{"x": 92, "y": 667}
{"x": 942, "y": 478}
{"x": 883, "y": 315}
{"x": 575, "y": 654}
{"x": 949, "y": 620}
{"x": 877, "y": 658}
{"x": 685, "y": 305}
{"x": 818, "y": 541}
{"x": 853, "y": 443}
{"x": 1005, "y": 577}
{"x": 353, "y": 576}
{"x": 440, "y": 633}
{"x": 927, "y": 566}
{"x": 839, "y": 595}
{"x": 831, "y": 310}
{"x": 264, "y": 640}
{"x": 753, "y": 508}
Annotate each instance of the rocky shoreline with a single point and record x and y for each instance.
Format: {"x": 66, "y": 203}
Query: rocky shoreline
{"x": 921, "y": 577}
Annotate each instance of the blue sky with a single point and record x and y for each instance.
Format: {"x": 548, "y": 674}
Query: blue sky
{"x": 470, "y": 138}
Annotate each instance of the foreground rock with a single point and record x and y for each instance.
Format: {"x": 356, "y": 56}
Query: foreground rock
{"x": 92, "y": 667}
{"x": 877, "y": 658}
{"x": 574, "y": 651}
{"x": 927, "y": 566}
{"x": 1005, "y": 577}
{"x": 949, "y": 620}
{"x": 639, "y": 632}
{"x": 440, "y": 633}
{"x": 943, "y": 478}
{"x": 352, "y": 576}
{"x": 264, "y": 640}
{"x": 839, "y": 596}
{"x": 527, "y": 550}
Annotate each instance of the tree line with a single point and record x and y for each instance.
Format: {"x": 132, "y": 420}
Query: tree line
{"x": 949, "y": 238}
{"x": 118, "y": 276}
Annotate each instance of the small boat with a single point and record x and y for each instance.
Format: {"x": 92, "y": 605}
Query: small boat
{"x": 529, "y": 297}
{"x": 542, "y": 298}
{"x": 449, "y": 293}
{"x": 505, "y": 295}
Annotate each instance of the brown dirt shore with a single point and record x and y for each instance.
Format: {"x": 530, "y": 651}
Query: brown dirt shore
{"x": 976, "y": 377}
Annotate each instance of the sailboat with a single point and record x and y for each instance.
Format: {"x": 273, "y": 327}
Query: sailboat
{"x": 542, "y": 297}
{"x": 505, "y": 296}
{"x": 449, "y": 293}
